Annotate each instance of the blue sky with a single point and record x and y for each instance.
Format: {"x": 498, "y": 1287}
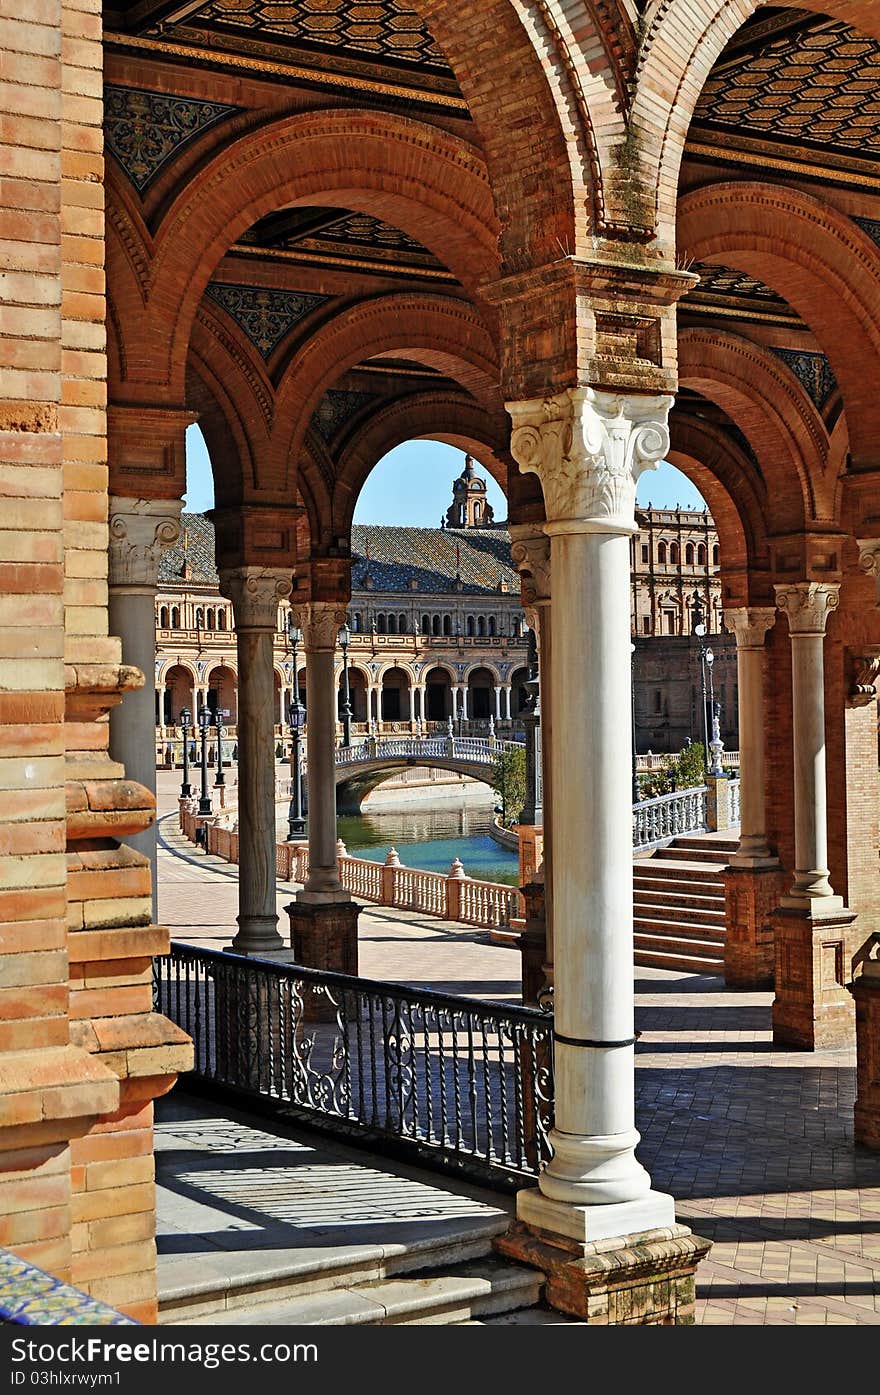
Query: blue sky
{"x": 412, "y": 485}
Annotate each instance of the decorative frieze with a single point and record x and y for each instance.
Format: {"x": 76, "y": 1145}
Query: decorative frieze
{"x": 588, "y": 448}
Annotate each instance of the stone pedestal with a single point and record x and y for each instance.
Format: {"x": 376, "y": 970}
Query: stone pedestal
{"x": 324, "y": 936}
{"x": 865, "y": 990}
{"x": 812, "y": 1008}
{"x": 645, "y": 1278}
{"x": 751, "y": 895}
{"x": 536, "y": 973}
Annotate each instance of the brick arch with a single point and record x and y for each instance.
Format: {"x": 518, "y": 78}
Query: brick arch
{"x": 764, "y": 399}
{"x": 729, "y": 483}
{"x": 217, "y": 391}
{"x": 429, "y": 182}
{"x": 444, "y": 416}
{"x": 681, "y": 42}
{"x": 440, "y": 331}
{"x": 819, "y": 260}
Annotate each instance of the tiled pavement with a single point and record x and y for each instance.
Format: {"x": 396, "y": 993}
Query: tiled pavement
{"x": 754, "y": 1143}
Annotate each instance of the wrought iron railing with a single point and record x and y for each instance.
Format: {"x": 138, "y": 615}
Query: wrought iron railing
{"x": 461, "y": 1083}
{"x": 667, "y": 816}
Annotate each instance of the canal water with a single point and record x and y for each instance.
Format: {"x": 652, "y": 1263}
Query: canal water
{"x": 430, "y": 838}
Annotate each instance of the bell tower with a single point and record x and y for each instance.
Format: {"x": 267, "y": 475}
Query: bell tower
{"x": 470, "y": 508}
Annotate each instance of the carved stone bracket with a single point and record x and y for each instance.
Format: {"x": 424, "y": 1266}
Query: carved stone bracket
{"x": 530, "y": 553}
{"x": 320, "y": 622}
{"x": 869, "y": 560}
{"x": 750, "y": 624}
{"x": 588, "y": 448}
{"x": 866, "y": 671}
{"x": 140, "y": 531}
{"x": 808, "y": 605}
{"x": 256, "y": 593}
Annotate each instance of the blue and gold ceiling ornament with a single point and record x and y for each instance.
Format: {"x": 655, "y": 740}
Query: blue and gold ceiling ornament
{"x": 266, "y": 316}
{"x": 813, "y": 372}
{"x": 144, "y": 130}
{"x": 337, "y": 407}
{"x": 869, "y": 225}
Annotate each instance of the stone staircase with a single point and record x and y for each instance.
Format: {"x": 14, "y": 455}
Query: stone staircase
{"x": 678, "y": 897}
{"x": 451, "y": 1278}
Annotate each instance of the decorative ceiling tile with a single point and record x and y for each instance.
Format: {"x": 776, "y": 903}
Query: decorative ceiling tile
{"x": 813, "y": 372}
{"x": 871, "y": 226}
{"x": 144, "y": 130}
{"x": 336, "y": 408}
{"x": 381, "y": 29}
{"x": 266, "y": 316}
{"x": 726, "y": 281}
{"x": 819, "y": 85}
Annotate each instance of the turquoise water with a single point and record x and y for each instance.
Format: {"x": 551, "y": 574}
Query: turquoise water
{"x": 430, "y": 838}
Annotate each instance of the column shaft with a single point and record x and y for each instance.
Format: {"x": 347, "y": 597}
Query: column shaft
{"x": 321, "y": 768}
{"x": 750, "y": 628}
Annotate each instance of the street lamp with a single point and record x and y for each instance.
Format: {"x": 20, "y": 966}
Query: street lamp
{"x": 706, "y": 656}
{"x": 296, "y": 826}
{"x": 205, "y": 716}
{"x": 344, "y": 641}
{"x": 185, "y": 720}
{"x": 218, "y": 715}
{"x": 636, "y": 792}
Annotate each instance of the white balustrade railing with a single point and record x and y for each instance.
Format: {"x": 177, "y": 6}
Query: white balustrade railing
{"x": 733, "y": 803}
{"x": 414, "y": 890}
{"x": 667, "y": 816}
{"x": 361, "y": 878}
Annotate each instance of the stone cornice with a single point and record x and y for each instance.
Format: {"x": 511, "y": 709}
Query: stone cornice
{"x": 140, "y": 530}
{"x": 808, "y": 605}
{"x": 256, "y": 593}
{"x": 749, "y": 624}
{"x": 588, "y": 448}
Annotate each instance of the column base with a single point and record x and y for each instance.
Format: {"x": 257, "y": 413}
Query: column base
{"x": 751, "y": 895}
{"x": 812, "y": 1008}
{"x": 640, "y": 1278}
{"x": 257, "y": 936}
{"x": 866, "y": 993}
{"x": 324, "y": 936}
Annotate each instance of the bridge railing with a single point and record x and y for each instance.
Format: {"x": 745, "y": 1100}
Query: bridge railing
{"x": 669, "y": 815}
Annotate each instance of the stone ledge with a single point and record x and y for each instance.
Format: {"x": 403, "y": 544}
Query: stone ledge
{"x": 123, "y": 942}
{"x": 137, "y": 1045}
{"x": 57, "y": 1082}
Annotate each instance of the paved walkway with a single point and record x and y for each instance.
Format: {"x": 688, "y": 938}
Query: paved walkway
{"x": 754, "y": 1143}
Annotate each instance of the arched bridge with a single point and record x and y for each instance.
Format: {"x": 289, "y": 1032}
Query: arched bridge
{"x": 360, "y": 769}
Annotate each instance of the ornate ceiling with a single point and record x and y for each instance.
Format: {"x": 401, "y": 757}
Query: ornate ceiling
{"x": 266, "y": 316}
{"x": 330, "y": 234}
{"x": 735, "y": 294}
{"x": 816, "y": 84}
{"x": 145, "y": 130}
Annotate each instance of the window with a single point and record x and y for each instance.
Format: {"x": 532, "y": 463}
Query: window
{"x": 689, "y": 555}
{"x": 478, "y": 512}
{"x": 392, "y": 624}
{"x": 701, "y": 555}
{"x": 669, "y": 621}
{"x": 221, "y": 619}
{"x": 209, "y": 619}
{"x": 492, "y": 626}
{"x": 175, "y": 617}
{"x": 716, "y": 556}
{"x": 447, "y": 624}
{"x": 674, "y": 554}
{"x": 381, "y": 625}
{"x": 646, "y": 624}
{"x": 481, "y": 627}
{"x": 163, "y": 618}
{"x": 469, "y": 627}
{"x": 435, "y": 626}
{"x": 658, "y": 700}
{"x": 661, "y": 553}
{"x": 426, "y": 625}
{"x": 644, "y": 552}
{"x": 401, "y": 625}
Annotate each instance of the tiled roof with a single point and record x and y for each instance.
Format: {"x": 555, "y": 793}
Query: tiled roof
{"x": 432, "y": 557}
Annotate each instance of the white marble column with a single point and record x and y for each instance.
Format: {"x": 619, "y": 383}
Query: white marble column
{"x": 140, "y": 531}
{"x": 750, "y": 625}
{"x": 498, "y": 702}
{"x": 588, "y": 449}
{"x": 455, "y": 707}
{"x": 255, "y": 593}
{"x": 507, "y": 712}
{"x": 320, "y": 622}
{"x": 808, "y": 605}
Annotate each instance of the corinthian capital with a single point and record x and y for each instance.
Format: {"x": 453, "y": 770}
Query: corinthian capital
{"x": 869, "y": 560}
{"x": 320, "y": 622}
{"x": 588, "y": 448}
{"x": 140, "y": 531}
{"x": 255, "y": 593}
{"x": 750, "y": 624}
{"x": 530, "y": 553}
{"x": 808, "y": 605}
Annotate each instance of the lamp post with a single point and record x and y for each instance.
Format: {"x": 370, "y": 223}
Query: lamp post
{"x": 218, "y": 715}
{"x": 344, "y": 641}
{"x": 185, "y": 720}
{"x": 296, "y": 825}
{"x": 699, "y": 628}
{"x": 716, "y": 745}
{"x": 636, "y": 792}
{"x": 205, "y": 716}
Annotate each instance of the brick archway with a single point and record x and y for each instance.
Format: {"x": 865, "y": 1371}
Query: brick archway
{"x": 728, "y": 481}
{"x": 682, "y": 41}
{"x": 764, "y": 399}
{"x": 819, "y": 260}
{"x": 453, "y": 418}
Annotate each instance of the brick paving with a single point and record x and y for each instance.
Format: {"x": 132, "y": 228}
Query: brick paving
{"x": 754, "y": 1143}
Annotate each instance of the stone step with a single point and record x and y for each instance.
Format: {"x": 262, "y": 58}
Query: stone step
{"x": 684, "y": 963}
{"x": 670, "y": 872}
{"x": 455, "y": 1295}
{"x": 679, "y": 929}
{"x": 679, "y": 910}
{"x": 656, "y": 891}
{"x": 691, "y": 854}
{"x": 718, "y": 844}
{"x": 215, "y": 1286}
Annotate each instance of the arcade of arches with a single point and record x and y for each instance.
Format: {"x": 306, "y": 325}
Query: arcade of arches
{"x": 573, "y": 239}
